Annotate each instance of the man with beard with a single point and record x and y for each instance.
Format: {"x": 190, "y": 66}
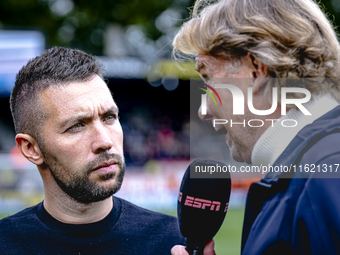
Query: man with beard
{"x": 263, "y": 48}
{"x": 67, "y": 124}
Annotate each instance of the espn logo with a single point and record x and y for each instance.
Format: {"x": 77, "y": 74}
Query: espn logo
{"x": 202, "y": 203}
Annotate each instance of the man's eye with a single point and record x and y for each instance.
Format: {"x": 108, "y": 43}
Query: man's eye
{"x": 111, "y": 117}
{"x": 205, "y": 78}
{"x": 75, "y": 127}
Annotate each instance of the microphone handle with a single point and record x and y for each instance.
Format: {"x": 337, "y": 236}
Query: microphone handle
{"x": 194, "y": 247}
{"x": 196, "y": 252}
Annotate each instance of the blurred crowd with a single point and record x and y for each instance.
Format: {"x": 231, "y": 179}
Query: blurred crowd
{"x": 155, "y": 137}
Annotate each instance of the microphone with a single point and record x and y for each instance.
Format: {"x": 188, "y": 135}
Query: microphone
{"x": 202, "y": 206}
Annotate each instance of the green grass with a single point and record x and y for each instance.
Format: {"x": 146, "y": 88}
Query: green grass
{"x": 228, "y": 239}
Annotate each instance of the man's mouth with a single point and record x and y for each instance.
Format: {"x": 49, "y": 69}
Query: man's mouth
{"x": 219, "y": 128}
{"x": 106, "y": 167}
{"x": 222, "y": 131}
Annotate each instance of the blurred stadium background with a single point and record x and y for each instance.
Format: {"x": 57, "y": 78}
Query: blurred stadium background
{"x": 133, "y": 40}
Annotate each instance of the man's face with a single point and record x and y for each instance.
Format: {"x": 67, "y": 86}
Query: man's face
{"x": 240, "y": 139}
{"x": 83, "y": 140}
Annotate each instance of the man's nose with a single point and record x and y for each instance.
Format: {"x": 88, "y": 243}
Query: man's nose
{"x": 102, "y": 138}
{"x": 208, "y": 116}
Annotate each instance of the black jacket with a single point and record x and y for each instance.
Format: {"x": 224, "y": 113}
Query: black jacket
{"x": 298, "y": 212}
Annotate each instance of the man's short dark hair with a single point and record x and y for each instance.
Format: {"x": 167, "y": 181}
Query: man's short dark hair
{"x": 55, "y": 67}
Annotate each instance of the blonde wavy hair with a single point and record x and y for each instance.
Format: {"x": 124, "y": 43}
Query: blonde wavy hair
{"x": 293, "y": 38}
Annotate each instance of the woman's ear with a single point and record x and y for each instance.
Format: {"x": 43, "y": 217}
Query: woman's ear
{"x": 29, "y": 148}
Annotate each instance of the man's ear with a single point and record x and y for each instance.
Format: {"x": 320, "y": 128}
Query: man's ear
{"x": 29, "y": 148}
{"x": 259, "y": 71}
